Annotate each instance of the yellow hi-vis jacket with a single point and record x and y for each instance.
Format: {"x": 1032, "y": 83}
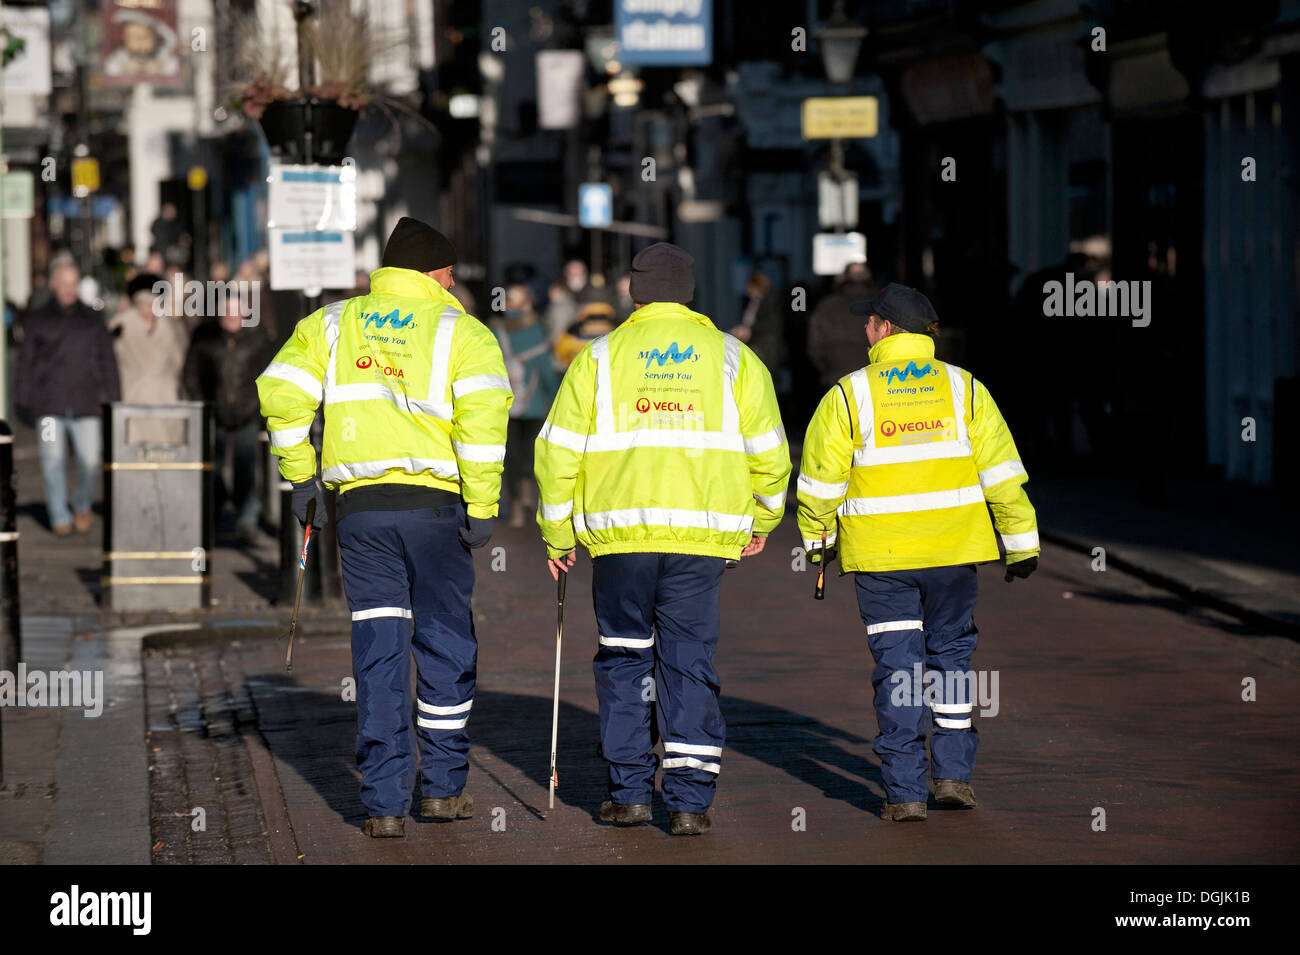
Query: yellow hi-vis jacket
{"x": 665, "y": 437}
{"x": 906, "y": 452}
{"x": 415, "y": 392}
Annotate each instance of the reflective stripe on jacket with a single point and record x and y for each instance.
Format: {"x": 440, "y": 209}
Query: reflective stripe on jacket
{"x": 665, "y": 438}
{"x": 415, "y": 393}
{"x": 906, "y": 453}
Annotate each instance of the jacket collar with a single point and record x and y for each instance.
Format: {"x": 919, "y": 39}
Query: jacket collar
{"x": 409, "y": 283}
{"x": 667, "y": 310}
{"x": 901, "y": 346}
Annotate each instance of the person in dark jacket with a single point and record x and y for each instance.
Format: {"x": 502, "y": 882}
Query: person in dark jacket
{"x": 835, "y": 343}
{"x": 66, "y": 370}
{"x": 221, "y": 367}
{"x": 761, "y": 326}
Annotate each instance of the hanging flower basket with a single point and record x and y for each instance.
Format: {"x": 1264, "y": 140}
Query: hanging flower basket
{"x": 287, "y": 122}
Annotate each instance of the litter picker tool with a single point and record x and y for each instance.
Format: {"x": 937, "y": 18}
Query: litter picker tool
{"x": 555, "y": 707}
{"x": 297, "y": 594}
{"x": 827, "y": 557}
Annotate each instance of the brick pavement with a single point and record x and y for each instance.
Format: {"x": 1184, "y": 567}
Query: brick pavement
{"x": 1113, "y": 695}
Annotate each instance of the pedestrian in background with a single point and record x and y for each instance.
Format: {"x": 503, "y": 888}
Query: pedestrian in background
{"x": 170, "y": 239}
{"x": 534, "y": 382}
{"x": 902, "y": 464}
{"x": 150, "y": 344}
{"x": 567, "y": 297}
{"x": 761, "y": 326}
{"x": 66, "y": 371}
{"x": 835, "y": 345}
{"x": 664, "y": 456}
{"x": 221, "y": 368}
{"x": 623, "y": 304}
{"x": 594, "y": 319}
{"x": 417, "y": 401}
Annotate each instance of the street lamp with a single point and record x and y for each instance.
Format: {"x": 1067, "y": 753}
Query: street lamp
{"x": 840, "y": 39}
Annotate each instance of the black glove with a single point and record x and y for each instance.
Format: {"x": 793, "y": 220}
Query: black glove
{"x": 476, "y": 532}
{"x": 815, "y": 555}
{"x": 303, "y": 492}
{"x": 1022, "y": 568}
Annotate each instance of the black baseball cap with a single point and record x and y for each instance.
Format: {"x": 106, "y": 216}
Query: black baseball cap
{"x": 905, "y": 307}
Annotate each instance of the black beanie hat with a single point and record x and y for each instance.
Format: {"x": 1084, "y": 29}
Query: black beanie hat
{"x": 414, "y": 245}
{"x": 662, "y": 273}
{"x": 143, "y": 282}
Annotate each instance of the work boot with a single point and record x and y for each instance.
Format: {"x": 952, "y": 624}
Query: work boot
{"x": 688, "y": 823}
{"x": 954, "y": 792}
{"x": 624, "y": 814}
{"x": 447, "y": 808}
{"x": 903, "y": 811}
{"x": 386, "y": 827}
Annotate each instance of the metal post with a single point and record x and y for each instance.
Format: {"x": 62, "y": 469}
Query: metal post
{"x": 4, "y": 331}
{"x": 10, "y": 624}
{"x": 199, "y": 212}
{"x": 837, "y": 176}
{"x": 11, "y": 643}
{"x": 288, "y": 547}
{"x": 303, "y": 10}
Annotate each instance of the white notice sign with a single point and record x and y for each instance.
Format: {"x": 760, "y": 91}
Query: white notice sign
{"x": 834, "y": 251}
{"x": 312, "y": 260}
{"x": 319, "y": 198}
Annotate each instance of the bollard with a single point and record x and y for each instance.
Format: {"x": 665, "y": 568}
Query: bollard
{"x": 289, "y": 544}
{"x": 331, "y": 571}
{"x": 270, "y": 483}
{"x": 157, "y": 506}
{"x": 10, "y": 632}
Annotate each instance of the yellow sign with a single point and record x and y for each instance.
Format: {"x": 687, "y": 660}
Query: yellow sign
{"x": 85, "y": 176}
{"x": 839, "y": 117}
{"x": 198, "y": 178}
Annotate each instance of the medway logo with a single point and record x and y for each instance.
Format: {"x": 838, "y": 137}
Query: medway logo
{"x": 672, "y": 354}
{"x": 891, "y": 428}
{"x": 392, "y": 320}
{"x": 900, "y": 374}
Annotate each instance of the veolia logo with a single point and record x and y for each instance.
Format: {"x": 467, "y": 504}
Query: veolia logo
{"x": 890, "y": 428}
{"x": 645, "y": 404}
{"x": 365, "y": 361}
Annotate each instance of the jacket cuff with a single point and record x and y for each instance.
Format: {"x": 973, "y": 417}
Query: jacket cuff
{"x": 1015, "y": 556}
{"x": 555, "y": 553}
{"x": 481, "y": 510}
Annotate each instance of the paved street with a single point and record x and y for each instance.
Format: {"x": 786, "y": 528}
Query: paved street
{"x": 1111, "y": 696}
